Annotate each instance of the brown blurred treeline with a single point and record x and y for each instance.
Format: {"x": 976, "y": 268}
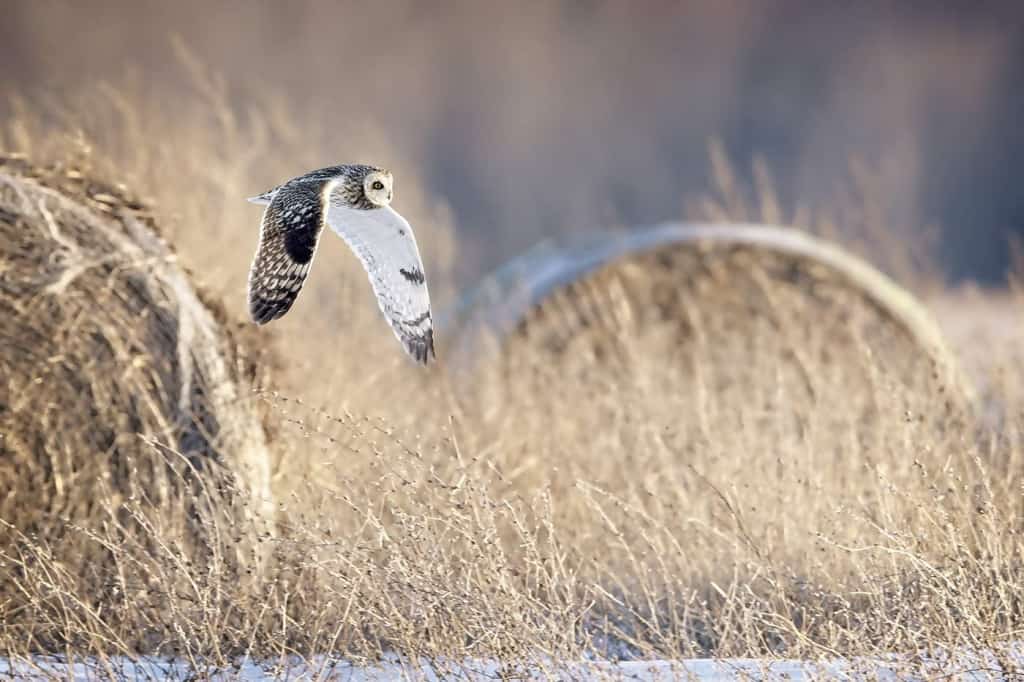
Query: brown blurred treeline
{"x": 532, "y": 118}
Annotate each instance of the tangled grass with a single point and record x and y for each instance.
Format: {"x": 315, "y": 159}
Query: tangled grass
{"x": 739, "y": 457}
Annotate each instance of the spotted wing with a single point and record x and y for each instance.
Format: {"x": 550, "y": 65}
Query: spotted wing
{"x": 386, "y": 246}
{"x": 292, "y": 222}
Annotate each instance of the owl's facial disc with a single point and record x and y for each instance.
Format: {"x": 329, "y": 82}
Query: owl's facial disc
{"x": 378, "y": 187}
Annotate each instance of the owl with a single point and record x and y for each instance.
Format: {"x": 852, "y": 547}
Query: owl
{"x": 355, "y": 201}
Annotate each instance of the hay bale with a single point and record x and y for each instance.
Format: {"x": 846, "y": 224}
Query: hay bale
{"x": 105, "y": 348}
{"x": 700, "y": 327}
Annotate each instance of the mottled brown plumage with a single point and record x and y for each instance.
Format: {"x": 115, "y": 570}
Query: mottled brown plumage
{"x": 354, "y": 200}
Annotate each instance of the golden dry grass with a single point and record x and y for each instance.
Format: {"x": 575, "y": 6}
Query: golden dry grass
{"x": 775, "y": 494}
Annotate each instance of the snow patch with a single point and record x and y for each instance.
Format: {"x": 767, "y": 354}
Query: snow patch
{"x": 958, "y": 665}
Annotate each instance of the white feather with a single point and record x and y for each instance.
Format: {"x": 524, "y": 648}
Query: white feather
{"x": 262, "y": 199}
{"x": 384, "y": 243}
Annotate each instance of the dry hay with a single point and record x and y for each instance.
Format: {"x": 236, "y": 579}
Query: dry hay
{"x": 118, "y": 380}
{"x": 726, "y": 305}
{"x": 771, "y": 294}
{"x": 671, "y": 350}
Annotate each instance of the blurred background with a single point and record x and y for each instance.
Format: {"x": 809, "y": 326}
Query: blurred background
{"x": 529, "y": 119}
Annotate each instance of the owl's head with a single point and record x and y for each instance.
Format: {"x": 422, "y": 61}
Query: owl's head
{"x": 377, "y": 186}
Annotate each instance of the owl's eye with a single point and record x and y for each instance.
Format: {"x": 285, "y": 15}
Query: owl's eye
{"x": 378, "y": 185}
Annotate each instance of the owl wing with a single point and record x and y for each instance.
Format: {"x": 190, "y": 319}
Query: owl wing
{"x": 386, "y": 246}
{"x": 291, "y": 227}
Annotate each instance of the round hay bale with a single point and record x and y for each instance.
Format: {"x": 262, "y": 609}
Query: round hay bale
{"x": 118, "y": 378}
{"x": 697, "y": 328}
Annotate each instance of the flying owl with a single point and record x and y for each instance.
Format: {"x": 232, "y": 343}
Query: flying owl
{"x": 355, "y": 201}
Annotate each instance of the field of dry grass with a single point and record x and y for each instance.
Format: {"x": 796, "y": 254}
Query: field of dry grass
{"x": 734, "y": 471}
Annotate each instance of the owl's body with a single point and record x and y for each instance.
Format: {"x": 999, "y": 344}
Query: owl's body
{"x": 354, "y": 201}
